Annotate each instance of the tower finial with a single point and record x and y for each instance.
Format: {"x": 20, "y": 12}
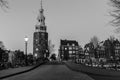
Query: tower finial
{"x": 41, "y": 5}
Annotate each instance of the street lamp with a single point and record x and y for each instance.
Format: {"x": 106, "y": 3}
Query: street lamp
{"x": 26, "y": 42}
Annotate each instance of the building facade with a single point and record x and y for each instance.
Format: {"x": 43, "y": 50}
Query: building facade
{"x": 40, "y": 37}
{"x": 69, "y": 50}
{"x": 116, "y": 50}
{"x": 100, "y": 52}
{"x": 109, "y": 49}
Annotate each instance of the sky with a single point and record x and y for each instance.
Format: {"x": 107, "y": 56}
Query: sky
{"x": 65, "y": 19}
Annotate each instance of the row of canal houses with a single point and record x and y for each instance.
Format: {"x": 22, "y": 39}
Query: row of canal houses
{"x": 107, "y": 51}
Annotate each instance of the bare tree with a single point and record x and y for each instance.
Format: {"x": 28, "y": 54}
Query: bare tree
{"x": 4, "y": 4}
{"x": 112, "y": 38}
{"x": 2, "y": 45}
{"x": 53, "y": 56}
{"x": 115, "y": 13}
{"x": 95, "y": 41}
{"x": 51, "y": 47}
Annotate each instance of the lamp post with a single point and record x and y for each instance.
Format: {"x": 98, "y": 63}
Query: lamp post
{"x": 26, "y": 42}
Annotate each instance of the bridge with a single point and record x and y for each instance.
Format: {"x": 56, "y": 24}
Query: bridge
{"x": 62, "y": 71}
{"x": 51, "y": 71}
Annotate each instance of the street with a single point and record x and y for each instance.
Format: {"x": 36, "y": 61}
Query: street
{"x": 51, "y": 72}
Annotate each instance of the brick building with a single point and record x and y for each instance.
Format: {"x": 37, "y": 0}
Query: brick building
{"x": 69, "y": 50}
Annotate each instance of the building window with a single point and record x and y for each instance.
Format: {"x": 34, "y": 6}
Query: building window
{"x": 36, "y": 49}
{"x": 35, "y": 55}
{"x": 73, "y": 52}
{"x": 76, "y": 52}
{"x": 70, "y": 52}
{"x": 36, "y": 40}
{"x": 73, "y": 44}
{"x": 67, "y": 44}
{"x": 65, "y": 48}
{"x": 76, "y": 48}
{"x": 70, "y": 55}
{"x": 70, "y": 48}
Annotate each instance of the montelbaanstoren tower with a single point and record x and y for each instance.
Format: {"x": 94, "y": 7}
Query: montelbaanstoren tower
{"x": 40, "y": 37}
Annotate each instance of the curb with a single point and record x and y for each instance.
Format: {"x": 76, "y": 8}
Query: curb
{"x": 23, "y": 71}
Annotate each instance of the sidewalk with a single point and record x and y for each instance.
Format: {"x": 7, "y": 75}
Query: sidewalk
{"x": 13, "y": 70}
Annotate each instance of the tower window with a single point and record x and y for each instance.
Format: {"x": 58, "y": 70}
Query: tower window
{"x": 36, "y": 40}
{"x": 41, "y": 20}
{"x": 36, "y": 49}
{"x": 35, "y": 54}
{"x": 41, "y": 28}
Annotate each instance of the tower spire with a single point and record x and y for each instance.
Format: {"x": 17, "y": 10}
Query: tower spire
{"x": 41, "y": 4}
{"x": 41, "y": 19}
